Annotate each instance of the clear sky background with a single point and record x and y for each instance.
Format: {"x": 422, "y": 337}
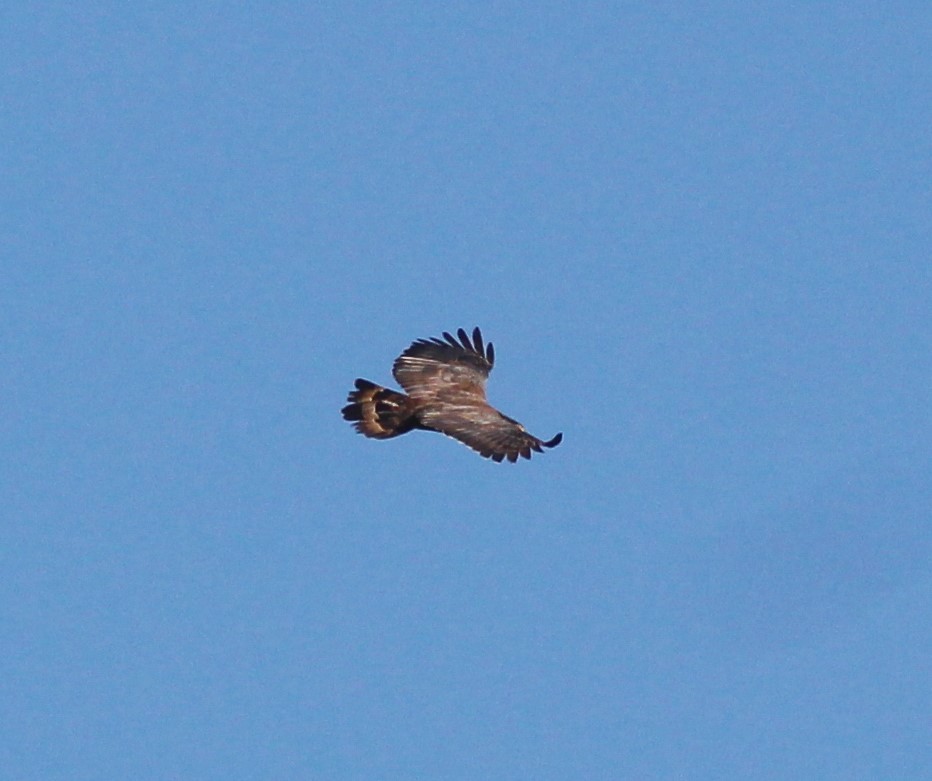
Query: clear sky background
{"x": 698, "y": 235}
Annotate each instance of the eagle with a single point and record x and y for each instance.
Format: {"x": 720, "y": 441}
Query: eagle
{"x": 444, "y": 380}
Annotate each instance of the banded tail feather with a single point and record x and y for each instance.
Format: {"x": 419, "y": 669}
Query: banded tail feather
{"x": 378, "y": 412}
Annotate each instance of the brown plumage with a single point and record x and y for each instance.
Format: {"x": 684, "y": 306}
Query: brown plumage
{"x": 445, "y": 384}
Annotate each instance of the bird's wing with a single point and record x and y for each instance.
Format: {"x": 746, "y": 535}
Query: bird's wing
{"x": 448, "y": 368}
{"x": 485, "y": 430}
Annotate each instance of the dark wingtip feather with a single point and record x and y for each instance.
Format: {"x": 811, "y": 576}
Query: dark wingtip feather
{"x": 490, "y": 353}
{"x": 449, "y": 337}
{"x": 555, "y": 441}
{"x": 477, "y": 341}
{"x": 464, "y": 340}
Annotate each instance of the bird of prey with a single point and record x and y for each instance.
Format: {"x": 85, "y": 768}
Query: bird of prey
{"x": 444, "y": 383}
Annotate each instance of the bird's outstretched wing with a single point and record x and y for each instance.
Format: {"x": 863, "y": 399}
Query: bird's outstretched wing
{"x": 434, "y": 369}
{"x": 486, "y": 430}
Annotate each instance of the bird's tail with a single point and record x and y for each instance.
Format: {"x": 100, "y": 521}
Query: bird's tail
{"x": 379, "y": 412}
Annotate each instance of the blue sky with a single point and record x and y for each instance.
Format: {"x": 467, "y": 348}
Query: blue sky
{"x": 697, "y": 234}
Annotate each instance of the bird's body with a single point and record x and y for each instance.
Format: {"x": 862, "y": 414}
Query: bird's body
{"x": 444, "y": 380}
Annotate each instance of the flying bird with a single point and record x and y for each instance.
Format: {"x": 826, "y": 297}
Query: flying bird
{"x": 444, "y": 380}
